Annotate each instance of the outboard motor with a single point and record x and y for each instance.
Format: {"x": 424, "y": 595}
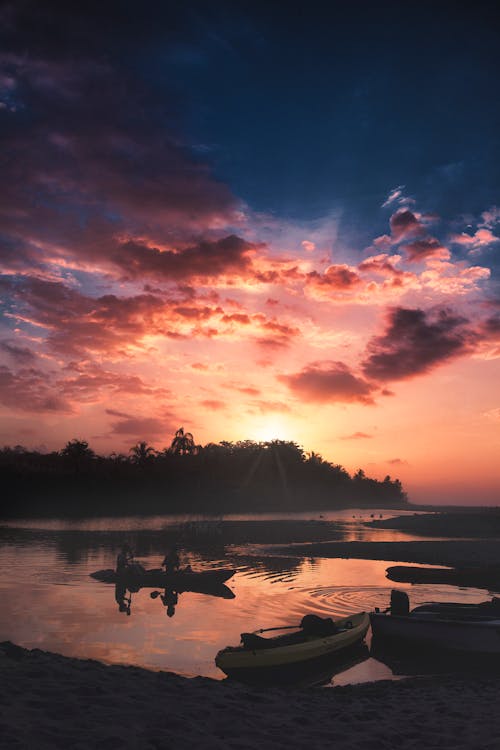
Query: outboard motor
{"x": 400, "y": 604}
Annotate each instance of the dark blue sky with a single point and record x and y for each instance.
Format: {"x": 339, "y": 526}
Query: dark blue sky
{"x": 302, "y": 112}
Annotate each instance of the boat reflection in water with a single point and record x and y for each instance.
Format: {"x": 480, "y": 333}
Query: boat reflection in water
{"x": 409, "y": 660}
{"x": 169, "y": 598}
{"x": 310, "y": 674}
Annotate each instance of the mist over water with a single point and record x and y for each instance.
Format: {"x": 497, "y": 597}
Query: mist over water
{"x": 49, "y": 600}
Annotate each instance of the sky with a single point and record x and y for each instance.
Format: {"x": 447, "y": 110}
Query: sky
{"x": 256, "y": 222}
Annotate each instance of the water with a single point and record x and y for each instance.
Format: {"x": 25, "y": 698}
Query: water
{"x": 49, "y": 600}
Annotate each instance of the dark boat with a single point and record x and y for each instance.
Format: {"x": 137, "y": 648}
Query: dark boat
{"x": 136, "y": 577}
{"x": 455, "y": 627}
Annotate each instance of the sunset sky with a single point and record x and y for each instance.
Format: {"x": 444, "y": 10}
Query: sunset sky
{"x": 255, "y": 222}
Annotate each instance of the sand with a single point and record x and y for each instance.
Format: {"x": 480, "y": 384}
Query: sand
{"x": 51, "y": 701}
{"x": 455, "y": 553}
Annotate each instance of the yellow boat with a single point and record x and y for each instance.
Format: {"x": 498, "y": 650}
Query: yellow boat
{"x": 288, "y": 658}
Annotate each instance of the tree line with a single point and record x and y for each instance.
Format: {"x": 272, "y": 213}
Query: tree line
{"x": 242, "y": 476}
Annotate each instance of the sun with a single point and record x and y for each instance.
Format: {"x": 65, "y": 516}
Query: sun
{"x": 266, "y": 429}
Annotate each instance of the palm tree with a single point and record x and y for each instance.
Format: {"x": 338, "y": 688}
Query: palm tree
{"x": 183, "y": 443}
{"x": 77, "y": 453}
{"x": 142, "y": 453}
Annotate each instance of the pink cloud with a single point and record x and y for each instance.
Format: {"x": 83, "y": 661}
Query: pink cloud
{"x": 479, "y": 240}
{"x": 329, "y": 382}
{"x": 31, "y": 390}
{"x": 336, "y": 277}
{"x": 308, "y": 246}
{"x": 213, "y": 404}
{"x": 140, "y": 427}
{"x": 490, "y": 217}
{"x": 421, "y": 250}
{"x": 357, "y": 436}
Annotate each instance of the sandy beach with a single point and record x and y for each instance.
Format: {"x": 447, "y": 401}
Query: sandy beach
{"x": 51, "y": 701}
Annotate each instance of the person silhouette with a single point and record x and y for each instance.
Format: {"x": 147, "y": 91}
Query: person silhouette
{"x": 171, "y": 561}
{"x": 170, "y": 599}
{"x": 122, "y": 599}
{"x": 124, "y": 558}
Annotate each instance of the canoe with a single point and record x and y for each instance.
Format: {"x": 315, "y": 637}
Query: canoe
{"x": 453, "y": 627}
{"x": 157, "y": 578}
{"x": 285, "y": 657}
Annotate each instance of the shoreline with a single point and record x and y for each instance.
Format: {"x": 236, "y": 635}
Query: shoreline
{"x": 53, "y": 701}
{"x": 469, "y": 562}
{"x": 452, "y": 553}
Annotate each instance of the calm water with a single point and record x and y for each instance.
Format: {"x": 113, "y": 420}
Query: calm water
{"x": 50, "y": 602}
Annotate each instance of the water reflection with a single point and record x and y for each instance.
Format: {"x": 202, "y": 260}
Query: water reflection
{"x": 313, "y": 674}
{"x": 404, "y": 660}
{"x": 73, "y": 614}
{"x": 169, "y": 599}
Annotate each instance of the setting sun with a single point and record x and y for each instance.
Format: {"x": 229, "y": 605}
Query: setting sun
{"x": 265, "y": 430}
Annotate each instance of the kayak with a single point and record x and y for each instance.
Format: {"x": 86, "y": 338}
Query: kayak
{"x": 283, "y": 657}
{"x": 186, "y": 580}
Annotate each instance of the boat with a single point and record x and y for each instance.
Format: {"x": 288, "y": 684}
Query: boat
{"x": 135, "y": 577}
{"x": 448, "y": 626}
{"x": 316, "y": 647}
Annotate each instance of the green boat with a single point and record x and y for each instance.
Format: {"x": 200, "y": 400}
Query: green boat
{"x": 316, "y": 646}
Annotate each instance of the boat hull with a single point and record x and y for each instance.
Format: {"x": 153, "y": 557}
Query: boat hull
{"x": 180, "y": 581}
{"x": 477, "y": 636}
{"x": 291, "y": 663}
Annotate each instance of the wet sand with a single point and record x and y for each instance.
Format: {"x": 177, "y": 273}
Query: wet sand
{"x": 50, "y": 701}
{"x": 481, "y": 524}
{"x": 453, "y": 553}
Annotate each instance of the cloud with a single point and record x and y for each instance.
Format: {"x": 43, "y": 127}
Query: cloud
{"x": 397, "y": 196}
{"x": 45, "y": 391}
{"x": 214, "y": 404}
{"x": 94, "y": 180}
{"x": 87, "y": 382}
{"x": 141, "y": 427}
{"x": 29, "y": 390}
{"x": 329, "y": 382}
{"x": 356, "y": 436}
{"x": 75, "y": 324}
{"x": 476, "y": 242}
{"x": 206, "y": 260}
{"x": 308, "y": 246}
{"x": 336, "y": 277}
{"x": 405, "y": 225}
{"x": 264, "y": 407}
{"x": 393, "y": 196}
{"x": 415, "y": 342}
{"x": 421, "y": 250}
{"x": 490, "y": 217}
{"x": 20, "y": 354}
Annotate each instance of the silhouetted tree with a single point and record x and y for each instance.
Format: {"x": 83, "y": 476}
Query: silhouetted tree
{"x": 77, "y": 453}
{"x": 183, "y": 443}
{"x": 142, "y": 453}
